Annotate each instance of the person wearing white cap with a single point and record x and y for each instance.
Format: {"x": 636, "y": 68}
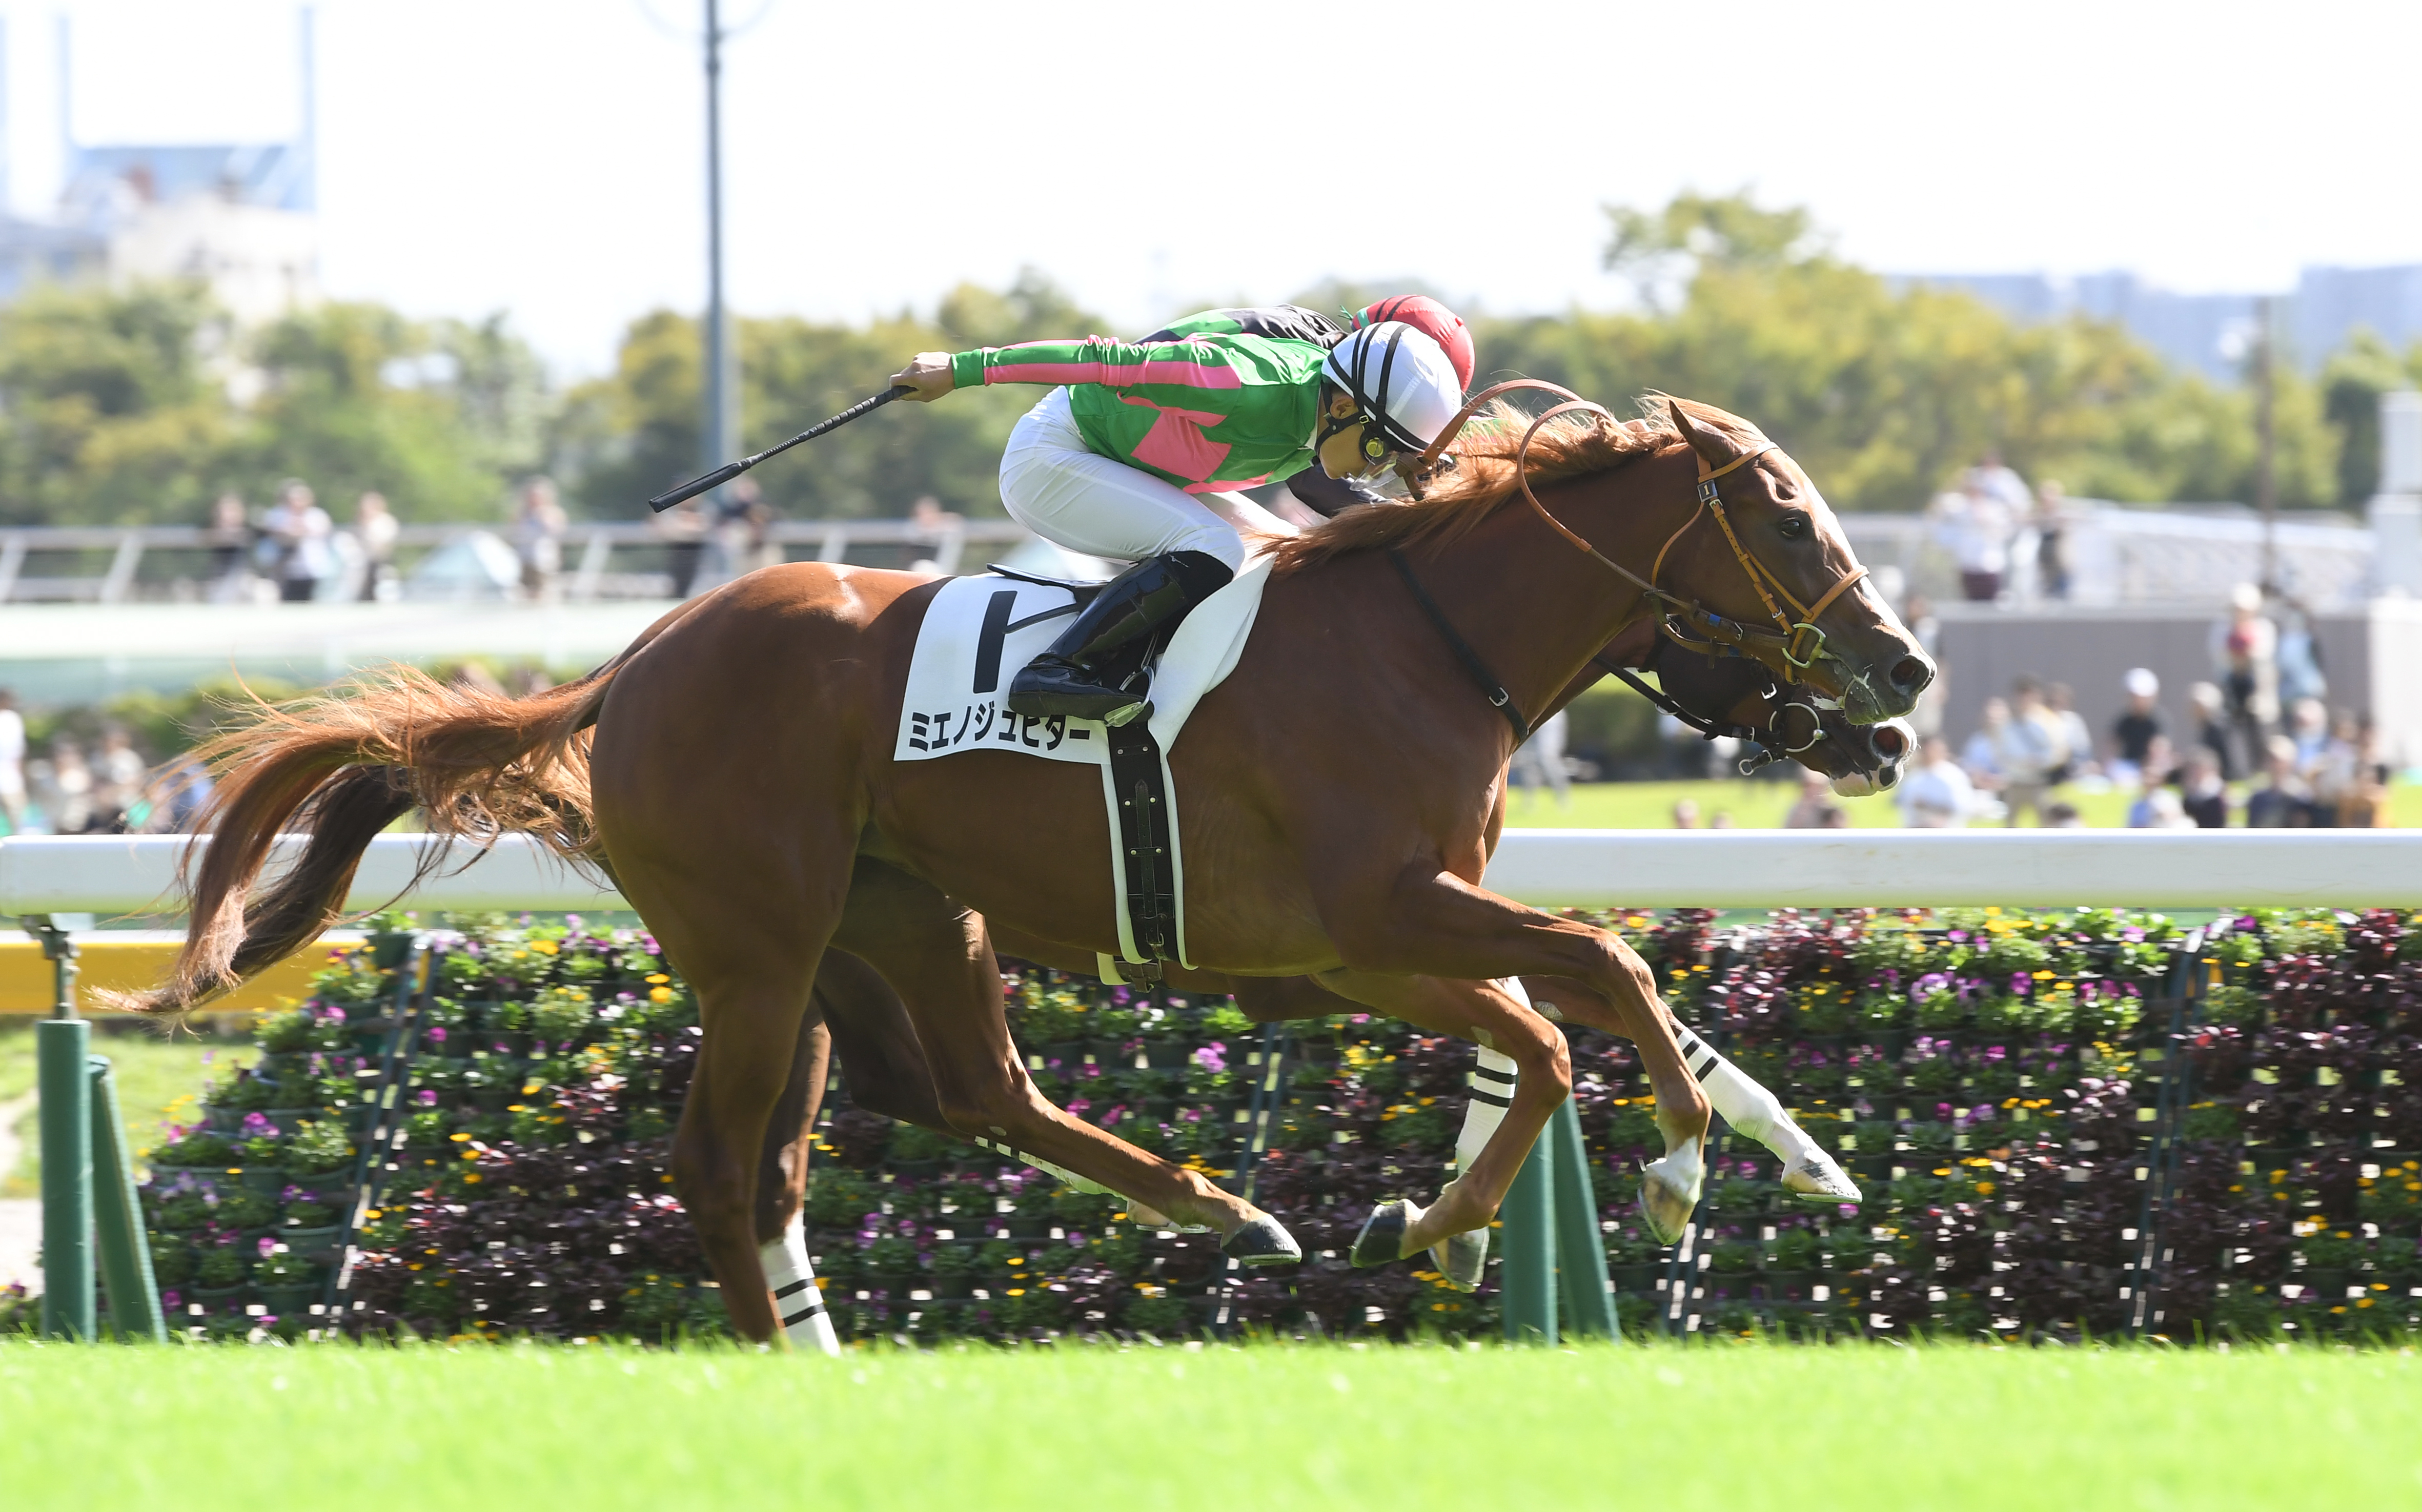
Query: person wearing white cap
{"x": 2137, "y": 727}
{"x": 1126, "y": 458}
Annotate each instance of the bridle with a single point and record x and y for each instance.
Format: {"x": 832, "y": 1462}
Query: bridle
{"x": 1794, "y": 646}
{"x": 1767, "y": 746}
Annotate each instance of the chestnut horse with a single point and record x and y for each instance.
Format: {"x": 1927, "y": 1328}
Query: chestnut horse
{"x": 856, "y": 1019}
{"x": 1337, "y": 795}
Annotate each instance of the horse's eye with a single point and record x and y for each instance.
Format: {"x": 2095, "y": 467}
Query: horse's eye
{"x": 1794, "y": 525}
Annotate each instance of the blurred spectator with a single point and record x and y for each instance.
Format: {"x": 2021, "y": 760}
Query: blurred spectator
{"x": 64, "y": 785}
{"x": 293, "y": 550}
{"x": 2138, "y": 725}
{"x": 2160, "y": 808}
{"x": 2283, "y": 801}
{"x": 2063, "y": 815}
{"x": 2299, "y": 654}
{"x": 1724, "y": 820}
{"x": 1982, "y": 756}
{"x": 684, "y": 529}
{"x": 2061, "y": 701}
{"x": 229, "y": 537}
{"x": 2365, "y": 803}
{"x": 373, "y": 532}
{"x": 1817, "y": 809}
{"x": 1541, "y": 759}
{"x": 117, "y": 773}
{"x": 1975, "y": 528}
{"x": 2201, "y": 792}
{"x": 1686, "y": 814}
{"x": 2308, "y": 728}
{"x": 2210, "y": 730}
{"x": 537, "y": 537}
{"x": 12, "y": 763}
{"x": 1936, "y": 793}
{"x": 2030, "y": 750}
{"x": 2245, "y": 656}
{"x": 178, "y": 796}
{"x": 1918, "y": 614}
{"x": 2161, "y": 767}
{"x": 2052, "y": 539}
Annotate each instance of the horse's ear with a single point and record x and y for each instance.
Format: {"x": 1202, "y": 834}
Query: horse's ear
{"x": 1712, "y": 449}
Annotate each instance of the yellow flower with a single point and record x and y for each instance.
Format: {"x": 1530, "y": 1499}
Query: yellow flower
{"x": 660, "y": 976}
{"x": 459, "y": 1138}
{"x": 1017, "y": 1291}
{"x": 544, "y": 947}
{"x": 470, "y": 1176}
{"x": 660, "y": 995}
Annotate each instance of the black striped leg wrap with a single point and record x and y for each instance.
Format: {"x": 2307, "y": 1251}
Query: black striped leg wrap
{"x": 1494, "y": 1087}
{"x": 1695, "y": 1053}
{"x": 815, "y": 1301}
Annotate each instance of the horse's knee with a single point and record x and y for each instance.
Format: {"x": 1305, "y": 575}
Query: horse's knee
{"x": 1538, "y": 1049}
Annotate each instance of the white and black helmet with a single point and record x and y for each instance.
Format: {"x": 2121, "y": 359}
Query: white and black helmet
{"x": 1401, "y": 380}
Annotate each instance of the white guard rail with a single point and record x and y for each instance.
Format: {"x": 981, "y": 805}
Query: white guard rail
{"x": 1640, "y": 868}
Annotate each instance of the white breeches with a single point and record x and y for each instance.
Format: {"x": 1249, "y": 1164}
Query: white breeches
{"x": 1067, "y": 493}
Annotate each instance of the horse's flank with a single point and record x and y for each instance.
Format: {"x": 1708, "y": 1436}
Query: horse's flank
{"x": 1483, "y": 478}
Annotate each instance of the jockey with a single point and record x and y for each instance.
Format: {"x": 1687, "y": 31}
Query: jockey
{"x": 1130, "y": 457}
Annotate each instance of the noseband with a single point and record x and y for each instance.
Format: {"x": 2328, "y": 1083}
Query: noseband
{"x": 1789, "y": 650}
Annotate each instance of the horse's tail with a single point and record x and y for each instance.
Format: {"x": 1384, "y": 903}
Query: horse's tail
{"x": 345, "y": 762}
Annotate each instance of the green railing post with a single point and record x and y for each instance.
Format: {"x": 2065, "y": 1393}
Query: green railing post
{"x": 117, "y": 1220}
{"x": 1527, "y": 1275}
{"x": 61, "y": 1046}
{"x": 1580, "y": 1250}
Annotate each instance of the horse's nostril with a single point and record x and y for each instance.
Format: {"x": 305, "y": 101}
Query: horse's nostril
{"x": 1888, "y": 742}
{"x": 1911, "y": 673}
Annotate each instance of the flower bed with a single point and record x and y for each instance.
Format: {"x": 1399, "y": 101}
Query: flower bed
{"x": 1994, "y": 1079}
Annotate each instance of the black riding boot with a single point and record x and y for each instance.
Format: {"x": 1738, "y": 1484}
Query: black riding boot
{"x": 1106, "y": 644}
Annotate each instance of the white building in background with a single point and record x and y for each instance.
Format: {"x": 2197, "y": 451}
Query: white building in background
{"x": 241, "y": 217}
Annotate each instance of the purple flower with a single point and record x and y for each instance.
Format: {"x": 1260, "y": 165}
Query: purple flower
{"x": 268, "y": 1245}
{"x": 2020, "y": 983}
{"x": 1078, "y": 1107}
{"x": 257, "y": 1126}
{"x": 427, "y": 1098}
{"x": 438, "y": 1036}
{"x": 1118, "y": 1111}
{"x": 1212, "y": 1057}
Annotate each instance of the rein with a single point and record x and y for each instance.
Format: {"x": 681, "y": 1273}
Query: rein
{"x": 1788, "y": 650}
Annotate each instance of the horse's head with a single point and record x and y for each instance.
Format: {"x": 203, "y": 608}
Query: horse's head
{"x": 1770, "y": 574}
{"x": 1737, "y": 691}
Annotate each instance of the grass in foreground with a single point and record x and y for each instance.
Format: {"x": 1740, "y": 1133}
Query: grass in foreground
{"x": 1262, "y": 1427}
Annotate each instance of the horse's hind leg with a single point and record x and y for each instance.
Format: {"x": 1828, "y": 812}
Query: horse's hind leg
{"x": 938, "y": 957}
{"x": 782, "y": 1187}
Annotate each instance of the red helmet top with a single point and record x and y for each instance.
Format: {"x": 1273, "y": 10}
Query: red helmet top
{"x": 1433, "y": 320}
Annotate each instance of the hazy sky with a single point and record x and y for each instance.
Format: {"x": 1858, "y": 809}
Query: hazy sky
{"x": 544, "y": 157}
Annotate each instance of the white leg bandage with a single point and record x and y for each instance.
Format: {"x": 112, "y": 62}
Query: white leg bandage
{"x": 1492, "y": 1082}
{"x": 798, "y": 1301}
{"x": 1749, "y": 1109}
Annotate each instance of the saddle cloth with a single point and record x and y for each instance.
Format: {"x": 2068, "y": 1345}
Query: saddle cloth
{"x": 979, "y": 632}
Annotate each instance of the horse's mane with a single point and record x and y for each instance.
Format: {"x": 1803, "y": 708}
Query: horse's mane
{"x": 1483, "y": 478}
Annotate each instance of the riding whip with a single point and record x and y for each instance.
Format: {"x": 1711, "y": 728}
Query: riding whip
{"x": 732, "y": 469}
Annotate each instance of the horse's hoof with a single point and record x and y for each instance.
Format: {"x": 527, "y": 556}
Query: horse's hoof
{"x": 1669, "y": 1190}
{"x": 1261, "y": 1242}
{"x": 1461, "y": 1258}
{"x": 1382, "y": 1239}
{"x": 1819, "y": 1178}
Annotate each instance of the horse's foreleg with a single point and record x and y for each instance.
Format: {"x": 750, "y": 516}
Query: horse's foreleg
{"x": 1751, "y": 1109}
{"x": 1435, "y": 924}
{"x": 1488, "y": 1013}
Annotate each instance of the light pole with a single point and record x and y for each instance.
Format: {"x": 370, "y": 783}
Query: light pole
{"x": 720, "y": 436}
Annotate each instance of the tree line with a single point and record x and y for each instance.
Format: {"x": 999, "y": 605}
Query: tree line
{"x": 144, "y": 404}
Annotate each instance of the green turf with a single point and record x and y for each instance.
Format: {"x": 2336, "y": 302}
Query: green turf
{"x": 152, "y": 1075}
{"x": 1868, "y": 1427}
{"x": 1762, "y": 805}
